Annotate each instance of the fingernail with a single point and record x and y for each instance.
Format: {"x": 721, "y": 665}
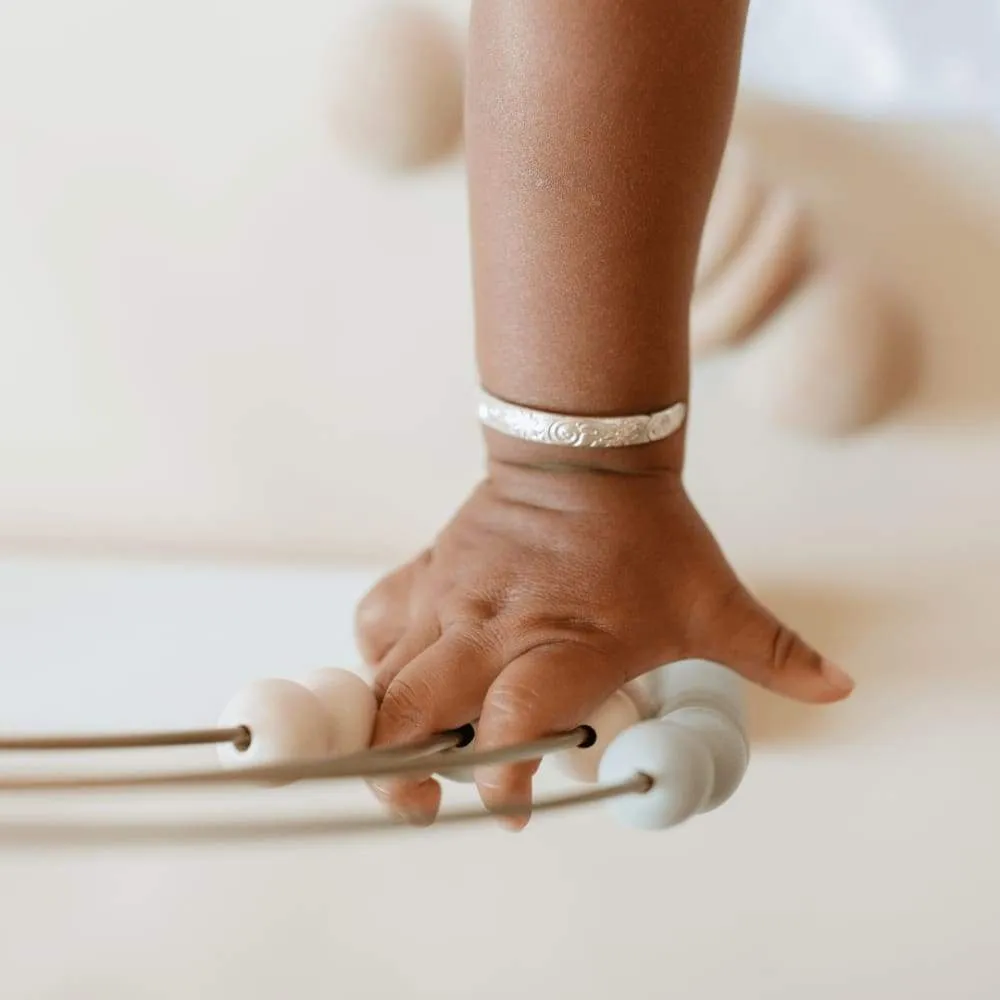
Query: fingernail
{"x": 404, "y": 813}
{"x": 414, "y": 817}
{"x": 496, "y": 779}
{"x": 384, "y": 796}
{"x": 512, "y": 824}
{"x": 837, "y": 678}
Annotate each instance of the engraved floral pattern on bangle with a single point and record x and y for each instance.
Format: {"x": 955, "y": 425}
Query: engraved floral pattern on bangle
{"x": 667, "y": 422}
{"x": 566, "y": 432}
{"x": 579, "y": 432}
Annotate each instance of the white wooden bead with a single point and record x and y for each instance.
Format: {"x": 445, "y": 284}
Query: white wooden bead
{"x": 350, "y": 704}
{"x": 726, "y": 743}
{"x": 709, "y": 699}
{"x": 397, "y": 87}
{"x": 287, "y": 724}
{"x": 702, "y": 683}
{"x": 677, "y": 760}
{"x": 613, "y": 717}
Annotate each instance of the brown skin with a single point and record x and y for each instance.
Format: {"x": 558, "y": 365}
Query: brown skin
{"x": 595, "y": 130}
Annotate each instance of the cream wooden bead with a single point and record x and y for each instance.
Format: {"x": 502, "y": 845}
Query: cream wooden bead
{"x": 397, "y": 87}
{"x": 287, "y": 722}
{"x": 834, "y": 359}
{"x": 613, "y": 717}
{"x": 679, "y": 764}
{"x": 350, "y": 704}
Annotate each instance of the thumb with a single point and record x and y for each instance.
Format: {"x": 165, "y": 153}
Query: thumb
{"x": 751, "y": 641}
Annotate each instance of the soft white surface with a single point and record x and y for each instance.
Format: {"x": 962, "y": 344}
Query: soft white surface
{"x": 858, "y": 859}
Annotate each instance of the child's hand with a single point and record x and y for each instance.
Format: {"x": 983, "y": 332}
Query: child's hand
{"x": 547, "y": 592}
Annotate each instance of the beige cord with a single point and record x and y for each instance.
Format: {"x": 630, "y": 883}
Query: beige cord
{"x": 115, "y": 834}
{"x": 239, "y": 736}
{"x": 382, "y": 762}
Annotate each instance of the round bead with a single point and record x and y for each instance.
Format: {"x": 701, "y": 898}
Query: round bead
{"x": 708, "y": 699}
{"x": 350, "y": 705}
{"x": 397, "y": 87}
{"x": 613, "y": 717}
{"x": 834, "y": 359}
{"x": 287, "y": 724}
{"x": 679, "y": 764}
{"x": 702, "y": 683}
{"x": 726, "y": 743}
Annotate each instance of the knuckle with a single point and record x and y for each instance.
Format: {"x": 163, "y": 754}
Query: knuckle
{"x": 372, "y": 609}
{"x": 786, "y": 648}
{"x": 380, "y": 685}
{"x": 370, "y": 646}
{"x": 374, "y": 642}
{"x": 514, "y": 702}
{"x": 390, "y": 597}
{"x": 406, "y": 705}
{"x": 476, "y": 613}
{"x": 483, "y": 643}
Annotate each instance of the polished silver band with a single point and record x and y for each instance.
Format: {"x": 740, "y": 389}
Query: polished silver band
{"x": 541, "y": 427}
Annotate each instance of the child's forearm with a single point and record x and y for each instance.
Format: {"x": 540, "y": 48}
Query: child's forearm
{"x": 595, "y": 129}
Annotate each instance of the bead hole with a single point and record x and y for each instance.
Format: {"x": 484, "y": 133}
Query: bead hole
{"x": 243, "y": 740}
{"x": 588, "y": 738}
{"x": 465, "y": 735}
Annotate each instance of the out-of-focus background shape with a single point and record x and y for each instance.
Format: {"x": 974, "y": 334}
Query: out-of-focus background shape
{"x": 235, "y": 325}
{"x": 221, "y": 332}
{"x": 875, "y": 58}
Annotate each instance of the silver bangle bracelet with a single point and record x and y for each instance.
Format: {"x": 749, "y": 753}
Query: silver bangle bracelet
{"x": 541, "y": 427}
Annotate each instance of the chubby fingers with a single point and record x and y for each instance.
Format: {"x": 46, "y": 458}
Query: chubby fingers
{"x": 440, "y": 688}
{"x": 383, "y": 615}
{"x": 551, "y": 689}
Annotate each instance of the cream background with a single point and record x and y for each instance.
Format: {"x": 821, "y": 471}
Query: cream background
{"x": 217, "y": 338}
{"x": 217, "y": 335}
